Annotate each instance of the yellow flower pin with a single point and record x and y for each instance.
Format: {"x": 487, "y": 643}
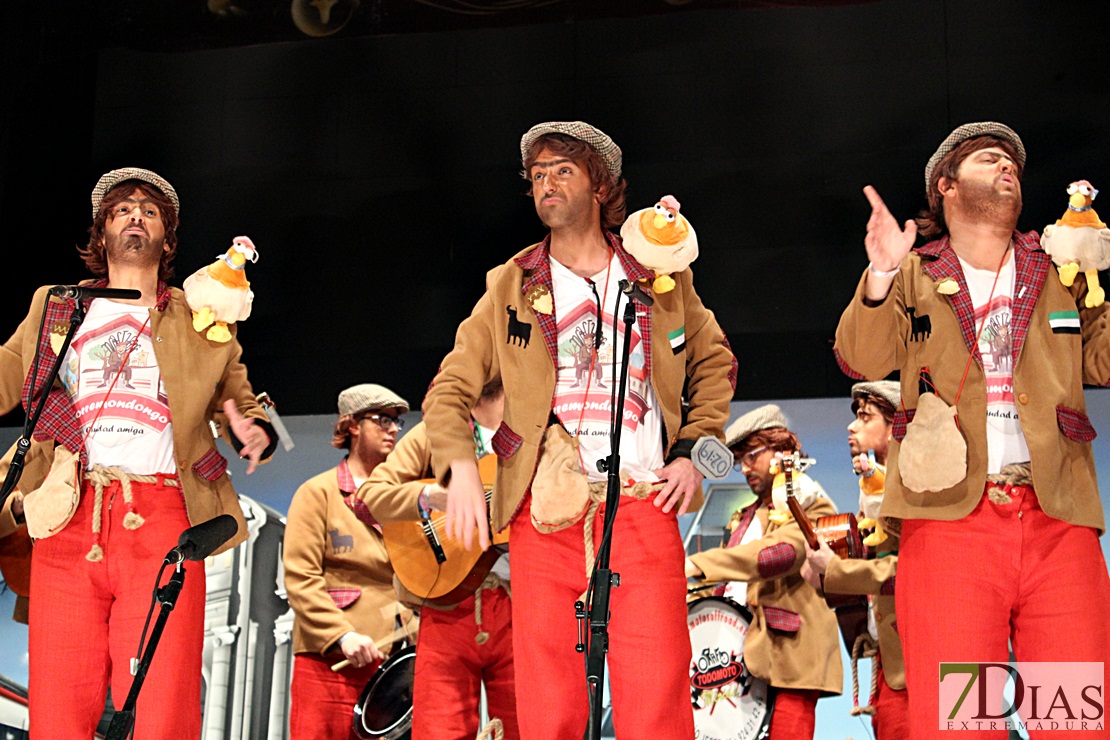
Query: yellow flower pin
{"x": 539, "y": 298}
{"x": 947, "y": 286}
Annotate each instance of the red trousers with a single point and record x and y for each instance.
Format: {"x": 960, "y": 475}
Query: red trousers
{"x": 891, "y": 720}
{"x": 86, "y": 619}
{"x": 794, "y": 716}
{"x": 649, "y": 642}
{"x": 451, "y": 667}
{"x": 322, "y": 701}
{"x": 1004, "y": 573}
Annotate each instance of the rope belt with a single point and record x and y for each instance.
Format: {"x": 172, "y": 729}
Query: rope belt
{"x": 491, "y": 581}
{"x": 101, "y": 477}
{"x": 1011, "y": 476}
{"x": 865, "y": 647}
{"x": 494, "y": 730}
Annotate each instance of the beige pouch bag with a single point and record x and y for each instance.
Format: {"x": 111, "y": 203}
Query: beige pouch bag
{"x": 49, "y": 507}
{"x": 560, "y": 490}
{"x": 933, "y": 454}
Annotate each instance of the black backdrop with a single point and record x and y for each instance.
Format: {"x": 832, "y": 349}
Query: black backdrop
{"x": 378, "y": 173}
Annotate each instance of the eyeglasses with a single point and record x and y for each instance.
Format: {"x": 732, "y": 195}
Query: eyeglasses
{"x": 748, "y": 458}
{"x": 385, "y": 421}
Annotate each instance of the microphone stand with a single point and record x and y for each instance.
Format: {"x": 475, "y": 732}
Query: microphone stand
{"x": 124, "y": 720}
{"x": 23, "y": 444}
{"x": 604, "y": 579}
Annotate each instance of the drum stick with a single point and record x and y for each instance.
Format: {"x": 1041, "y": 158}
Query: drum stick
{"x": 704, "y": 586}
{"x": 389, "y": 639}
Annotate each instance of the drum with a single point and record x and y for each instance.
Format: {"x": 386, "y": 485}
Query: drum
{"x": 384, "y": 709}
{"x": 729, "y": 703}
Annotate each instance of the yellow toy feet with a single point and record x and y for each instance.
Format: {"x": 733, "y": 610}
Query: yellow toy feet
{"x": 1068, "y": 273}
{"x": 1095, "y": 297}
{"x": 203, "y": 318}
{"x": 662, "y": 284}
{"x": 867, "y": 523}
{"x": 219, "y": 333}
{"x": 875, "y": 537}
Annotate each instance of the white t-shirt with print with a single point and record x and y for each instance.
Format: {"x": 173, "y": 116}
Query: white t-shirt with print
{"x": 1005, "y": 439}
{"x": 584, "y": 393}
{"x": 130, "y": 424}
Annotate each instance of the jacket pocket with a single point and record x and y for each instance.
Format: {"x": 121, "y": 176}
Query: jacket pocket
{"x": 344, "y": 597}
{"x": 781, "y": 619}
{"x": 902, "y": 419}
{"x": 1075, "y": 425}
{"x": 505, "y": 442}
{"x": 211, "y": 465}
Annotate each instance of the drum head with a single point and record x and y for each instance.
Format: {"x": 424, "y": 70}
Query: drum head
{"x": 729, "y": 703}
{"x": 384, "y": 709}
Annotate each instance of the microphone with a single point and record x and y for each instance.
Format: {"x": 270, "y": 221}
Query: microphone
{"x": 197, "y": 543}
{"x": 636, "y": 292}
{"x": 83, "y": 292}
{"x": 711, "y": 457}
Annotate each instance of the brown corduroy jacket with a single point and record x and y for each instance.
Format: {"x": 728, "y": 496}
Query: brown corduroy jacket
{"x": 505, "y": 336}
{"x": 1051, "y": 363}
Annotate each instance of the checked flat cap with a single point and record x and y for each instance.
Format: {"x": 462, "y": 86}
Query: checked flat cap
{"x": 109, "y": 180}
{"x": 970, "y": 131}
{"x": 370, "y": 397}
{"x": 598, "y": 140}
{"x": 764, "y": 417}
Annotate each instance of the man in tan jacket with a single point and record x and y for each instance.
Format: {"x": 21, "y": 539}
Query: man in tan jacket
{"x": 539, "y": 307}
{"x": 992, "y": 478}
{"x": 874, "y": 404}
{"x": 792, "y": 642}
{"x": 337, "y": 572}
{"x": 466, "y": 634}
{"x": 126, "y": 449}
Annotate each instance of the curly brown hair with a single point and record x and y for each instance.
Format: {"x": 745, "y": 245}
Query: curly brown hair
{"x": 95, "y": 253}
{"x": 778, "y": 439}
{"x": 610, "y": 190}
{"x": 930, "y": 222}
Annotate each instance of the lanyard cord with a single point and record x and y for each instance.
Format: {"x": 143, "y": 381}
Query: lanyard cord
{"x": 979, "y": 333}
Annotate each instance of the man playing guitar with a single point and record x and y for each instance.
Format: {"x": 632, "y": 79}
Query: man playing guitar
{"x": 793, "y": 642}
{"x": 466, "y": 641}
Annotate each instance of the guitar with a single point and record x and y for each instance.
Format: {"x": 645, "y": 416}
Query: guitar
{"x": 439, "y": 570}
{"x": 840, "y": 531}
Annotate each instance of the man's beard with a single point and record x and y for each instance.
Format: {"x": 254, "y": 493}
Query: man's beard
{"x": 985, "y": 203}
{"x": 133, "y": 249}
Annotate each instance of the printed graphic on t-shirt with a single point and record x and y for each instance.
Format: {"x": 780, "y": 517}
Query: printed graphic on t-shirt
{"x": 581, "y": 369}
{"x": 996, "y": 347}
{"x": 112, "y": 351}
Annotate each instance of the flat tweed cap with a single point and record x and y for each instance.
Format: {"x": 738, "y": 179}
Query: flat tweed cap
{"x": 370, "y": 397}
{"x": 970, "y": 131}
{"x": 115, "y": 177}
{"x": 888, "y": 390}
{"x": 764, "y": 417}
{"x": 598, "y": 140}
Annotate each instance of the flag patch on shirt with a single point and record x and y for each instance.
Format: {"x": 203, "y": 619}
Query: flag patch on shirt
{"x": 677, "y": 339}
{"x": 1064, "y": 322}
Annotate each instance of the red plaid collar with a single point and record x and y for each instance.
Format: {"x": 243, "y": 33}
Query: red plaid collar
{"x": 746, "y": 516}
{"x": 58, "y": 421}
{"x": 347, "y": 487}
{"x": 346, "y": 480}
{"x": 537, "y": 270}
{"x": 1030, "y": 267}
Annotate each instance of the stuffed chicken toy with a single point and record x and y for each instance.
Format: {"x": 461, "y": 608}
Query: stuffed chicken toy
{"x": 1080, "y": 242}
{"x": 662, "y": 240}
{"x": 872, "y": 486}
{"x": 220, "y": 293}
